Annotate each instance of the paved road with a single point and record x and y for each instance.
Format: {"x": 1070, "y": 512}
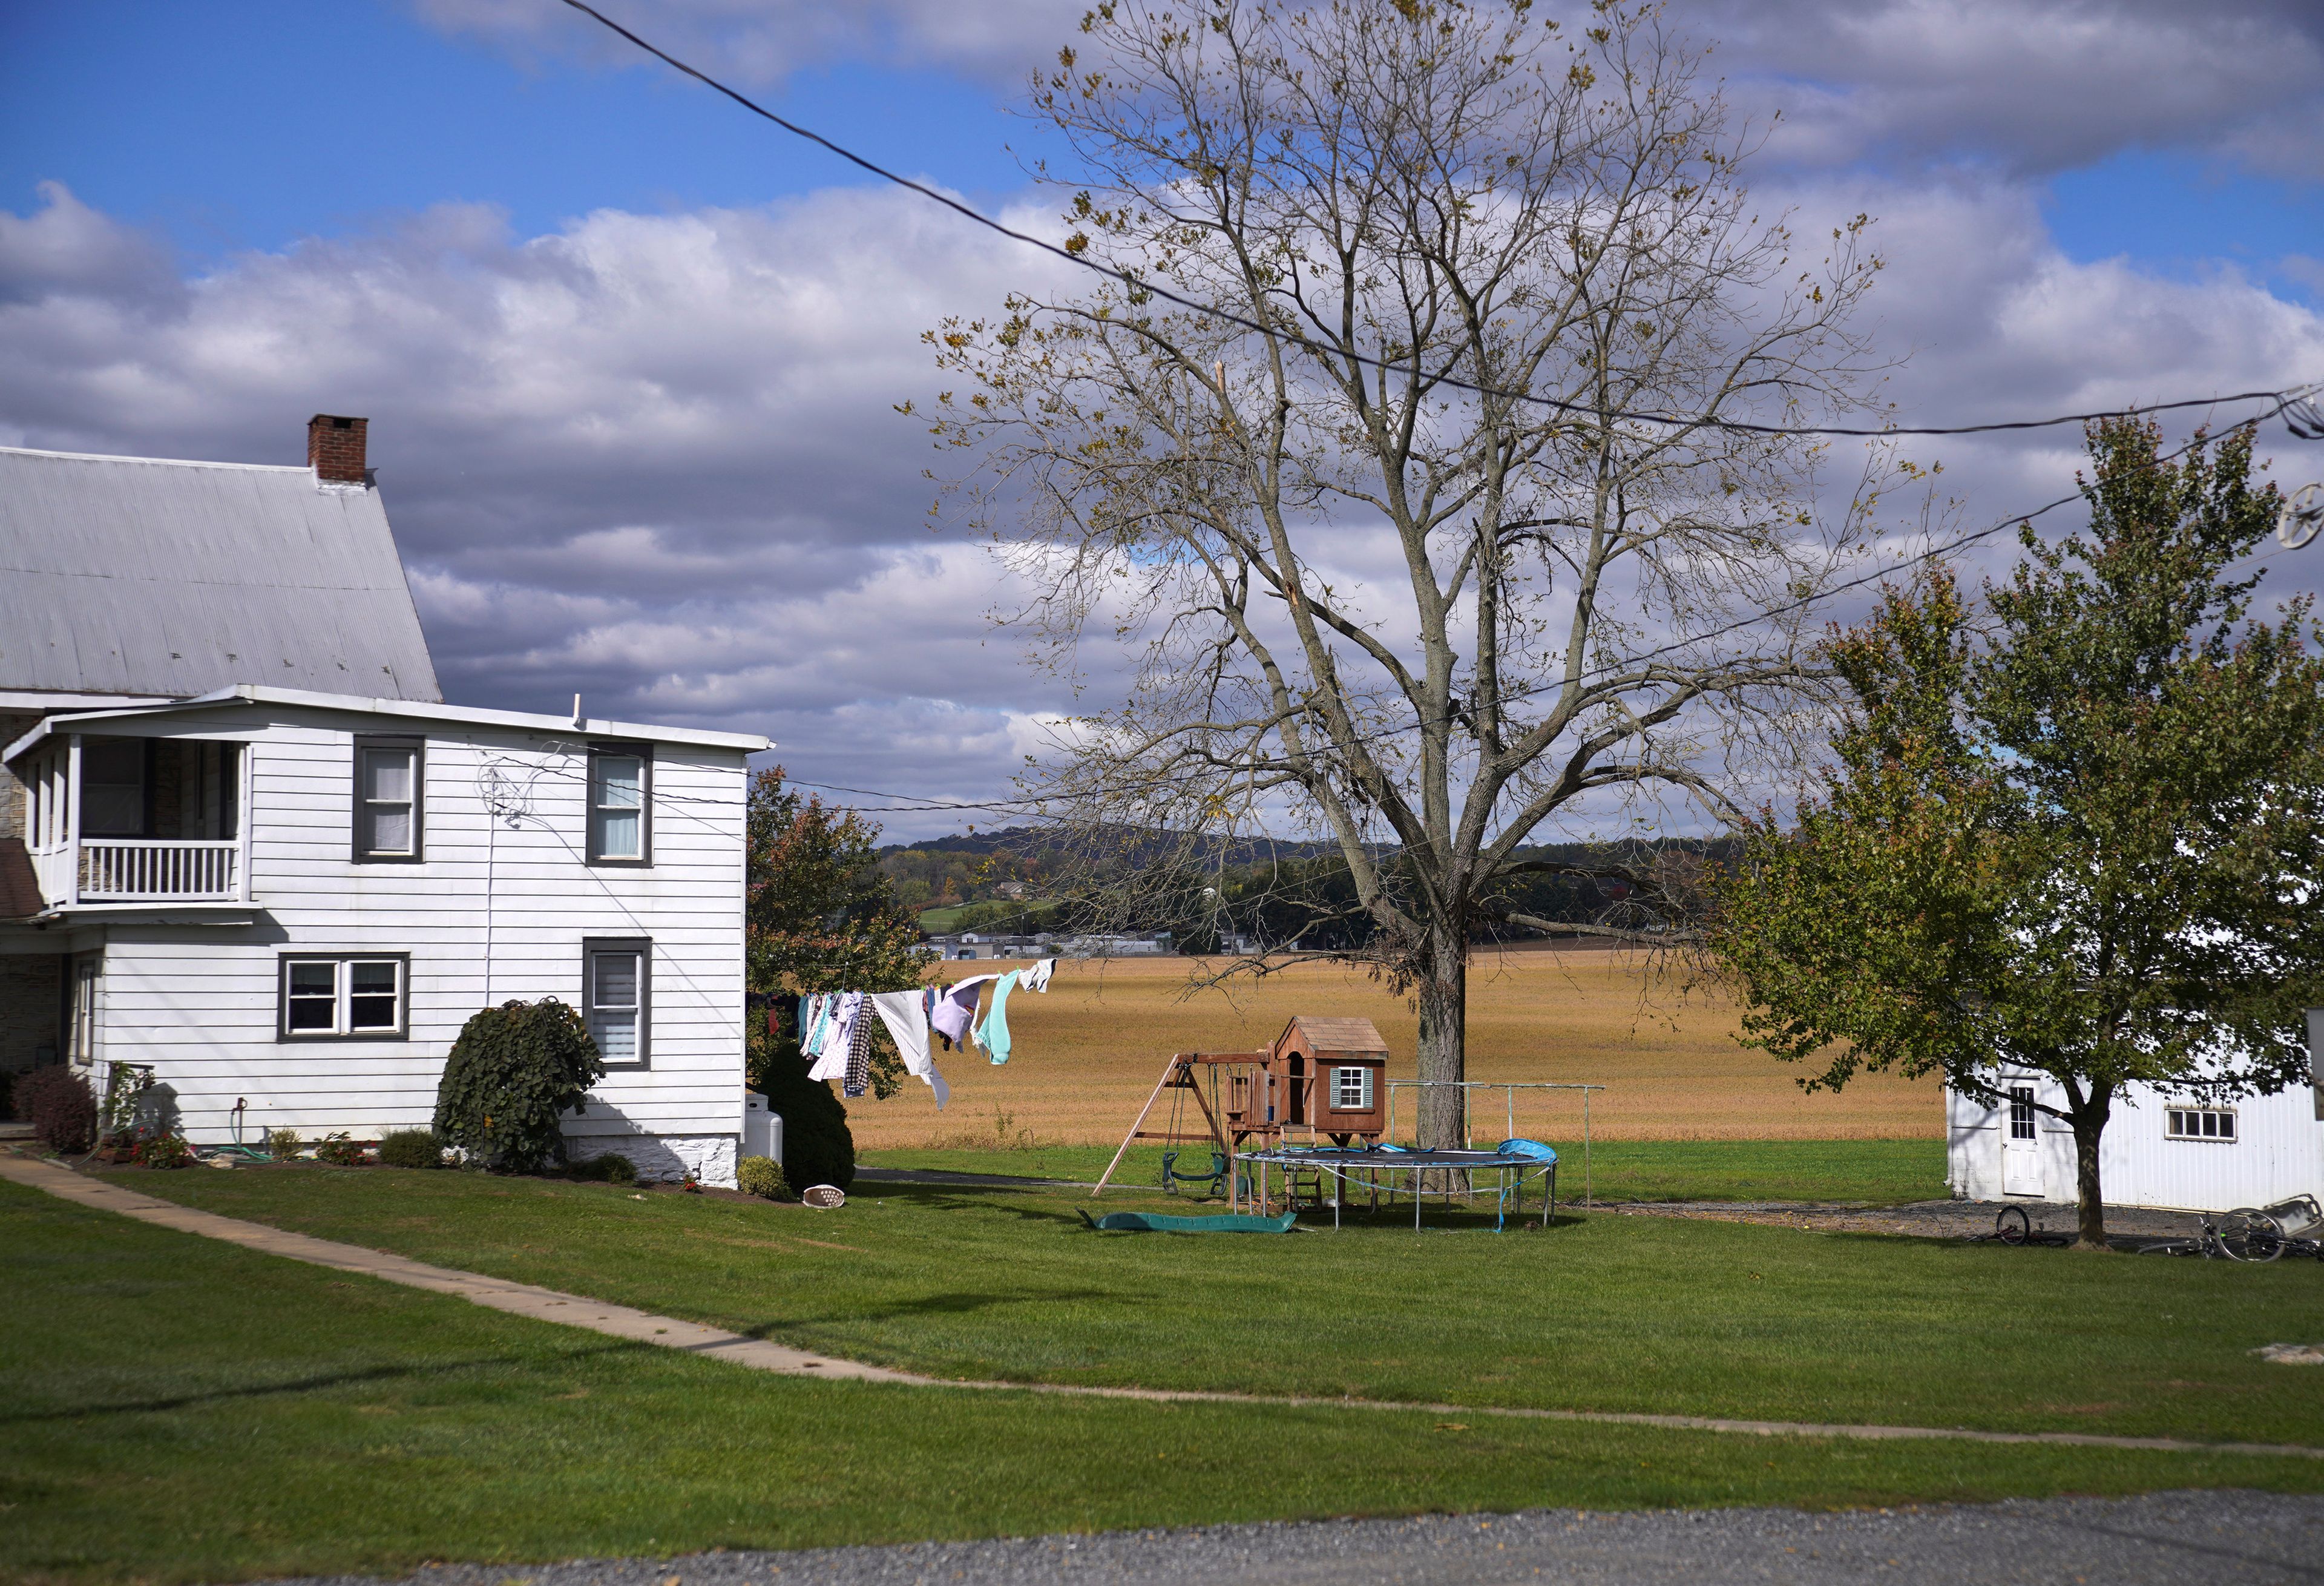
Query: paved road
{"x": 2178, "y": 1538}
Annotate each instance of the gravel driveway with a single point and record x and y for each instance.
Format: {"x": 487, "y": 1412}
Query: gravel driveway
{"x": 2181, "y": 1538}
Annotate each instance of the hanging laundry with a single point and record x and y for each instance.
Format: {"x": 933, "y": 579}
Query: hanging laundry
{"x": 1037, "y": 979}
{"x": 955, "y": 1014}
{"x": 841, "y": 1011}
{"x": 905, "y": 1013}
{"x": 859, "y": 1052}
{"x": 994, "y": 1031}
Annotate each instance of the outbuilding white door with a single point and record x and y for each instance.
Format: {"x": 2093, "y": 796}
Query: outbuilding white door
{"x": 2021, "y": 1146}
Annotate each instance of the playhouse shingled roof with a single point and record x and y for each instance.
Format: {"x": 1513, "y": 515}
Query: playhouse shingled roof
{"x": 1334, "y": 1034}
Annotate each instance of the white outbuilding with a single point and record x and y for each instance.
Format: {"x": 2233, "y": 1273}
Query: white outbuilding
{"x": 2159, "y": 1150}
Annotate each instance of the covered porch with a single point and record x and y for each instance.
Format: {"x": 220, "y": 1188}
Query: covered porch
{"x": 117, "y": 819}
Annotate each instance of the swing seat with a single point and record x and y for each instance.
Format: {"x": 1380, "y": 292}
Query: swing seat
{"x": 1216, "y": 1178}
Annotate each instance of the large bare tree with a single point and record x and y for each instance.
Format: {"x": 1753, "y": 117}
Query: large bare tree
{"x": 1401, "y": 564}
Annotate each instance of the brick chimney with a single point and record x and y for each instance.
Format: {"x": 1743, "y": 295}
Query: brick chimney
{"x": 334, "y": 448}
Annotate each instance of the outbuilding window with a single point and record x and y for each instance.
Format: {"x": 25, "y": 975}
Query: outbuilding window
{"x": 2215, "y": 1124}
{"x": 353, "y": 996}
{"x": 2021, "y": 1113}
{"x": 620, "y": 778}
{"x": 391, "y": 800}
{"x": 1351, "y": 1089}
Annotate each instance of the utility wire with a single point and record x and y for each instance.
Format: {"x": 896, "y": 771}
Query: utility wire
{"x": 1229, "y": 317}
{"x": 1933, "y": 552}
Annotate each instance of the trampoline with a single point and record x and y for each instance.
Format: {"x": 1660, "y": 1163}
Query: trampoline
{"x": 1516, "y": 1162}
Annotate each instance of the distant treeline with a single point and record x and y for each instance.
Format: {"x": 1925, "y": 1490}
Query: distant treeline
{"x": 1272, "y": 894}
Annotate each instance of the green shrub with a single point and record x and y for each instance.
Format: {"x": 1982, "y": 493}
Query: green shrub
{"x": 759, "y": 1176}
{"x": 611, "y": 1167}
{"x": 515, "y": 1070}
{"x": 817, "y": 1145}
{"x": 60, "y": 1108}
{"x": 411, "y": 1147}
{"x": 282, "y": 1144}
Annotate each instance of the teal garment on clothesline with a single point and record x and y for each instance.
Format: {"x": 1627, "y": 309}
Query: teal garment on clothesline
{"x": 994, "y": 1031}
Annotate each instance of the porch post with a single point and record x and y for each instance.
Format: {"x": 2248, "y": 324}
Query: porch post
{"x": 72, "y": 819}
{"x": 243, "y": 754}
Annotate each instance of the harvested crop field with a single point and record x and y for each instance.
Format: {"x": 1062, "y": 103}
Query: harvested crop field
{"x": 1087, "y": 1053}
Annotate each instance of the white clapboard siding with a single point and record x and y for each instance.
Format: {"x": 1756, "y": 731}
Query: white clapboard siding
{"x": 199, "y": 1003}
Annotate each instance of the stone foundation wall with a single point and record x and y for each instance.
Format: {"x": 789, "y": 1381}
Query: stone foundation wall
{"x": 666, "y": 1159}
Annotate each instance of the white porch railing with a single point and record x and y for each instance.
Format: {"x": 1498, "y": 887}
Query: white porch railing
{"x": 132, "y": 870}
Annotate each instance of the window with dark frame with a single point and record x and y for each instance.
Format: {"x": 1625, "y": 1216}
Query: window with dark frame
{"x": 347, "y": 996}
{"x": 617, "y": 999}
{"x": 389, "y": 803}
{"x": 619, "y": 795}
{"x": 2021, "y": 1113}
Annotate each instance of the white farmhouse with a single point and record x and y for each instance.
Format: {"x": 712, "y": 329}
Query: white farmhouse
{"x": 2158, "y": 1150}
{"x": 244, "y": 846}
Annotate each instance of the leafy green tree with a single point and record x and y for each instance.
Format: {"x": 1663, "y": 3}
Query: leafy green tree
{"x": 2086, "y": 844}
{"x": 821, "y": 917}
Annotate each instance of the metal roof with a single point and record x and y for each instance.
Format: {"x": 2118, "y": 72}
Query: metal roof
{"x": 148, "y": 577}
{"x": 557, "y": 727}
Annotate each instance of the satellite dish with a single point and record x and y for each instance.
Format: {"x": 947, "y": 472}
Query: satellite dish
{"x": 2302, "y": 518}
{"x": 824, "y": 1197}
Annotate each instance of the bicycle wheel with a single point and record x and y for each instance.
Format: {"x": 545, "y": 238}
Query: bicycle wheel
{"x": 2012, "y": 1226}
{"x": 2249, "y": 1235}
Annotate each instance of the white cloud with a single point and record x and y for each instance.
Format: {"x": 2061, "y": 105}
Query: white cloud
{"x": 2033, "y": 88}
{"x": 653, "y": 459}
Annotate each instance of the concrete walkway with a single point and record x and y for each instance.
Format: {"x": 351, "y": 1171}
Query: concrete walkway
{"x": 547, "y": 1305}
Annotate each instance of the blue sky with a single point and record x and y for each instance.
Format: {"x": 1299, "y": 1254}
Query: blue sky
{"x": 633, "y": 358}
{"x": 249, "y": 123}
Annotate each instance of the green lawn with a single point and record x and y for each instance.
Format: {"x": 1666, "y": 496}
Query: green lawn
{"x": 181, "y": 1410}
{"x": 1884, "y": 1173}
{"x": 1598, "y": 1312}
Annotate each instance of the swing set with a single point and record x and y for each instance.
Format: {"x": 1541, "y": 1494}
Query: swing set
{"x": 1324, "y": 1077}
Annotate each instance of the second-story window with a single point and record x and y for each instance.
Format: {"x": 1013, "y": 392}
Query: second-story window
{"x": 618, "y": 787}
{"x": 389, "y": 811}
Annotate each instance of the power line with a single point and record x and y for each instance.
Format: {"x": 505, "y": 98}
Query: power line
{"x": 1229, "y": 317}
{"x": 1929, "y": 554}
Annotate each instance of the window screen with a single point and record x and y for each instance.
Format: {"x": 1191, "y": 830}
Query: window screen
{"x": 389, "y": 816}
{"x": 359, "y": 996}
{"x": 616, "y": 975}
{"x": 113, "y": 786}
{"x": 617, "y": 800}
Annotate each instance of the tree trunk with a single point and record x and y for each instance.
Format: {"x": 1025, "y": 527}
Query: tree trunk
{"x": 1443, "y": 1041}
{"x": 2090, "y": 1121}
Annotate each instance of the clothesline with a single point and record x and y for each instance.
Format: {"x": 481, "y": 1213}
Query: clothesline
{"x": 836, "y": 1027}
